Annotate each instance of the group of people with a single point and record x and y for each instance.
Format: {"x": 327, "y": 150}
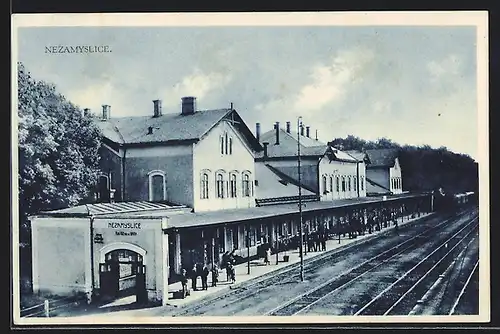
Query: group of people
{"x": 204, "y": 270}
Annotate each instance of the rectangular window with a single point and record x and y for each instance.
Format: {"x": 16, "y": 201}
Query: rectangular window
{"x": 362, "y": 183}
{"x": 337, "y": 183}
{"x": 355, "y": 184}
{"x": 230, "y": 145}
{"x": 225, "y": 139}
{"x": 343, "y": 183}
{"x": 222, "y": 145}
{"x": 331, "y": 184}
{"x": 349, "y": 183}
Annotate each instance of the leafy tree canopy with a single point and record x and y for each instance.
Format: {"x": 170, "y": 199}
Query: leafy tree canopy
{"x": 58, "y": 148}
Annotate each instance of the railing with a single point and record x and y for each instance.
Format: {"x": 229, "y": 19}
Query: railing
{"x": 47, "y": 308}
{"x": 287, "y": 199}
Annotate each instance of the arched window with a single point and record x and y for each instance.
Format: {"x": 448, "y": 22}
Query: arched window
{"x": 219, "y": 179}
{"x": 331, "y": 183}
{"x": 221, "y": 144}
{"x": 157, "y": 188}
{"x": 362, "y": 182}
{"x": 337, "y": 183}
{"x": 246, "y": 185}
{"x": 343, "y": 183}
{"x": 103, "y": 188}
{"x": 204, "y": 186}
{"x": 355, "y": 183}
{"x": 230, "y": 145}
{"x": 324, "y": 184}
{"x": 349, "y": 183}
{"x": 232, "y": 181}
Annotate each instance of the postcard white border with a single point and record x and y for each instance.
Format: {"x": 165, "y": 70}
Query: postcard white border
{"x": 479, "y": 19}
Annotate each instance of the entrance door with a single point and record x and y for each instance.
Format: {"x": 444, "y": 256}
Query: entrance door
{"x": 123, "y": 274}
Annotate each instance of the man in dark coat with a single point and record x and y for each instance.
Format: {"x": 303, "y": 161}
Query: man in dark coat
{"x": 194, "y": 277}
{"x": 204, "y": 277}
{"x": 215, "y": 274}
{"x": 184, "y": 281}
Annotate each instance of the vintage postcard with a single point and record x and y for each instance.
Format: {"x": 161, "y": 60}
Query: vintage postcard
{"x": 250, "y": 168}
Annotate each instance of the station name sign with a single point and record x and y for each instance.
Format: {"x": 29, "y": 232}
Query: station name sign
{"x": 124, "y": 225}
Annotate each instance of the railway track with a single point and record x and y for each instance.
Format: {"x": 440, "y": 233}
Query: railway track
{"x": 308, "y": 299}
{"x": 397, "y": 297}
{"x": 291, "y": 274}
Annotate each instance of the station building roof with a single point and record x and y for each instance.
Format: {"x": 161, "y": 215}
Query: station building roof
{"x": 182, "y": 217}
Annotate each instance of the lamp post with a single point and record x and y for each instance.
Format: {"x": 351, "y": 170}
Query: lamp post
{"x": 299, "y": 125}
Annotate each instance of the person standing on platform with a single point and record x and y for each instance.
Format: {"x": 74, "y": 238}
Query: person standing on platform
{"x": 215, "y": 274}
{"x": 267, "y": 256}
{"x": 184, "y": 281}
{"x": 323, "y": 241}
{"x": 194, "y": 277}
{"x": 204, "y": 277}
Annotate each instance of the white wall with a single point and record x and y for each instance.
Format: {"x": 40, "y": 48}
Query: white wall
{"x": 61, "y": 255}
{"x": 207, "y": 157}
{"x": 333, "y": 169}
{"x": 395, "y": 173}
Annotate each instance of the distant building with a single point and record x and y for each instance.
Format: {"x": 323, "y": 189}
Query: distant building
{"x": 383, "y": 173}
{"x": 203, "y": 159}
{"x": 327, "y": 173}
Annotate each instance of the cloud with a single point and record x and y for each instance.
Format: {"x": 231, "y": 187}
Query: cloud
{"x": 95, "y": 95}
{"x": 199, "y": 84}
{"x": 327, "y": 83}
{"x": 449, "y": 66}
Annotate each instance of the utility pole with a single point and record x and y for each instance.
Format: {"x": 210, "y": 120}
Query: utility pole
{"x": 299, "y": 125}
{"x": 248, "y": 249}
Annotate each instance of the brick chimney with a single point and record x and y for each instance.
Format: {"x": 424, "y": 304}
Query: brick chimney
{"x": 302, "y": 130}
{"x": 265, "y": 148}
{"x": 188, "y": 105}
{"x": 106, "y": 112}
{"x": 257, "y": 131}
{"x": 288, "y": 127}
{"x": 157, "y": 112}
{"x": 277, "y": 127}
{"x": 307, "y": 131}
{"x": 316, "y": 134}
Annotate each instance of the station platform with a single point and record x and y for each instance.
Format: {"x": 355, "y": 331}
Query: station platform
{"x": 258, "y": 271}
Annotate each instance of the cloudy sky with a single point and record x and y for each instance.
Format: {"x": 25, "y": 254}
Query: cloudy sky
{"x": 414, "y": 85}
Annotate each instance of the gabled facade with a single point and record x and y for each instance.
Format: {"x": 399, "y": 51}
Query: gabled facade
{"x": 384, "y": 172}
{"x": 201, "y": 159}
{"x": 328, "y": 173}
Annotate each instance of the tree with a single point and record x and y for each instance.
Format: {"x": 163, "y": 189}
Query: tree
{"x": 58, "y": 150}
{"x": 424, "y": 168}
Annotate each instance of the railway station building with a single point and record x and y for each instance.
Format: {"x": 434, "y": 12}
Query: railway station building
{"x": 185, "y": 187}
{"x": 327, "y": 172}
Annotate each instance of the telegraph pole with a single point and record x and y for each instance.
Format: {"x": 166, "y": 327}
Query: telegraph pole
{"x": 299, "y": 125}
